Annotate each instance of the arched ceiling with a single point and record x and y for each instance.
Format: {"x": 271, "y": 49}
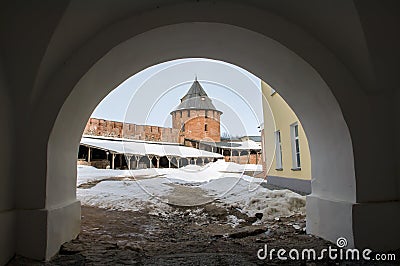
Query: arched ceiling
{"x": 39, "y": 37}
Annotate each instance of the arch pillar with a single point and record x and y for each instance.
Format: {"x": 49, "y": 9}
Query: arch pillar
{"x": 89, "y": 155}
{"x": 128, "y": 158}
{"x": 240, "y": 156}
{"x": 158, "y": 161}
{"x": 169, "y": 157}
{"x": 150, "y": 157}
{"x": 137, "y": 159}
{"x": 113, "y": 155}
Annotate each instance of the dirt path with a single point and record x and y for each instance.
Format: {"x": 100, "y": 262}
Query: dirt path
{"x": 136, "y": 238}
{"x": 187, "y": 196}
{"x": 194, "y": 232}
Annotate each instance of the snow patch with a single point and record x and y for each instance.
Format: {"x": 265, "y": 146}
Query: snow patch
{"x": 224, "y": 182}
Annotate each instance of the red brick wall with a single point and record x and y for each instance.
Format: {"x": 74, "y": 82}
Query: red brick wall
{"x": 107, "y": 128}
{"x": 195, "y": 125}
{"x": 101, "y": 127}
{"x": 243, "y": 159}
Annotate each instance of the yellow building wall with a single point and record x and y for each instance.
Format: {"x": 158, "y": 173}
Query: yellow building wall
{"x": 279, "y": 116}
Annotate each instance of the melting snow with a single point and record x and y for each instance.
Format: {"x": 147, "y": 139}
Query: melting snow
{"x": 222, "y": 182}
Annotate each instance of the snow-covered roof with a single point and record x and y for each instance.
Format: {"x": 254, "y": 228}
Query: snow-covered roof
{"x": 249, "y": 145}
{"x": 253, "y": 138}
{"x": 124, "y": 146}
{"x": 240, "y": 145}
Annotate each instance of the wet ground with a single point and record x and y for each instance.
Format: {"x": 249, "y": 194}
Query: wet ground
{"x": 191, "y": 227}
{"x": 185, "y": 237}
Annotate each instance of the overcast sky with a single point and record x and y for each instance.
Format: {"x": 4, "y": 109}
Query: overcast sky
{"x": 149, "y": 96}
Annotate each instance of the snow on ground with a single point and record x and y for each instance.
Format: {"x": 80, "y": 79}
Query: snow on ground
{"x": 90, "y": 173}
{"x": 126, "y": 195}
{"x": 221, "y": 182}
{"x": 189, "y": 173}
{"x": 251, "y": 198}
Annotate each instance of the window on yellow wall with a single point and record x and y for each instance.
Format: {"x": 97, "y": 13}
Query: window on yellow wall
{"x": 294, "y": 132}
{"x": 278, "y": 150}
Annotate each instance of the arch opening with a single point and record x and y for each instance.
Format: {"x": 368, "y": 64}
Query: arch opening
{"x": 299, "y": 84}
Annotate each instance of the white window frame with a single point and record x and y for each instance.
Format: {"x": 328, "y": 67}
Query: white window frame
{"x": 278, "y": 150}
{"x": 296, "y": 152}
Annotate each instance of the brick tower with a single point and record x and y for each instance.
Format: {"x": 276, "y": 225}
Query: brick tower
{"x": 196, "y": 117}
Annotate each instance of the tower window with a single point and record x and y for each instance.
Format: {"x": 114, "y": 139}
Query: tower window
{"x": 188, "y": 113}
{"x": 183, "y": 127}
{"x": 205, "y": 127}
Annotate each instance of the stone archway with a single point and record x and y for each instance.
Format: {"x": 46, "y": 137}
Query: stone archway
{"x": 333, "y": 185}
{"x": 337, "y": 46}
